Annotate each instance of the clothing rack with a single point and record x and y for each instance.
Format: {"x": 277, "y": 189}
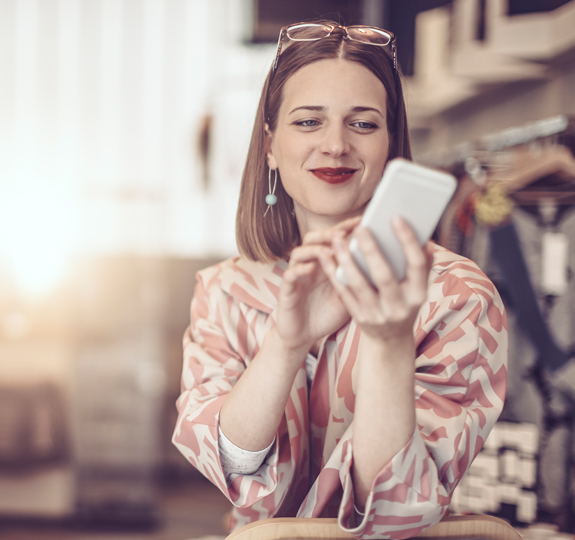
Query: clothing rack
{"x": 558, "y": 129}
{"x": 524, "y": 178}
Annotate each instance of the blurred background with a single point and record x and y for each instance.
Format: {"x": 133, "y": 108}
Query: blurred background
{"x": 124, "y": 126}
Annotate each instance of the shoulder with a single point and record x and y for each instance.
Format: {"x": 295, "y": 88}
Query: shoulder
{"x": 456, "y": 275}
{"x": 251, "y": 282}
{"x": 447, "y": 262}
{"x": 458, "y": 290}
{"x": 210, "y": 277}
{"x": 463, "y": 324}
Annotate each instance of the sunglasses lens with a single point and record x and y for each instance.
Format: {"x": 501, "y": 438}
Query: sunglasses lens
{"x": 369, "y": 35}
{"x": 308, "y": 32}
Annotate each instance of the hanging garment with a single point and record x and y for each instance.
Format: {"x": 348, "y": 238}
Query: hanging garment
{"x": 508, "y": 256}
{"x": 530, "y": 397}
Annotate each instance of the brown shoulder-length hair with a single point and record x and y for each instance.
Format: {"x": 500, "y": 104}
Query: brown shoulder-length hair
{"x": 269, "y": 238}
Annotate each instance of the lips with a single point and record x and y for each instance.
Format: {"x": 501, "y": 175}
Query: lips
{"x": 336, "y": 175}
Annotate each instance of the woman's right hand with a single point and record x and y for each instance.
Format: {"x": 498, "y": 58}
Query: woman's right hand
{"x": 309, "y": 308}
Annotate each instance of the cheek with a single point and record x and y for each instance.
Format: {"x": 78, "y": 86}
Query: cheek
{"x": 293, "y": 151}
{"x": 281, "y": 149}
{"x": 379, "y": 152}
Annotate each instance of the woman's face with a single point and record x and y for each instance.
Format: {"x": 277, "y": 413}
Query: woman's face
{"x": 331, "y": 142}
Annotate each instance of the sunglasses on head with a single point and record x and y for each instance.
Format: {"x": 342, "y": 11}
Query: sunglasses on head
{"x": 370, "y": 35}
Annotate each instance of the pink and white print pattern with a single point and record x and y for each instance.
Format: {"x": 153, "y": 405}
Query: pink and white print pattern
{"x": 461, "y": 374}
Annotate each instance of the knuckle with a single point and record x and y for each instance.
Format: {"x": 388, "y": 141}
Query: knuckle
{"x": 295, "y": 252}
{"x": 384, "y": 281}
{"x": 308, "y": 235}
{"x": 311, "y": 238}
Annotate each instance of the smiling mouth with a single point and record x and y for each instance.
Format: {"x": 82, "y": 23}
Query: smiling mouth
{"x": 335, "y": 175}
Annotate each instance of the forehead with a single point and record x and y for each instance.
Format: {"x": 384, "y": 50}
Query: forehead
{"x": 334, "y": 83}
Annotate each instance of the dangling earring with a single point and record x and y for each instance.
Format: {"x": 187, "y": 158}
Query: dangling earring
{"x": 271, "y": 197}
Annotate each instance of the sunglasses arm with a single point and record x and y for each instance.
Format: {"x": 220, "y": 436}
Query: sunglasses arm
{"x": 279, "y": 49}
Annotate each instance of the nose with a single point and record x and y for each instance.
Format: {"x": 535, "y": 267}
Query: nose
{"x": 335, "y": 141}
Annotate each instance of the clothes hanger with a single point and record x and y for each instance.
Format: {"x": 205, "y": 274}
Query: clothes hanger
{"x": 525, "y": 176}
{"x": 548, "y": 173}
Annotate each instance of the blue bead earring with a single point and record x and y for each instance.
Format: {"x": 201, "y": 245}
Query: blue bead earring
{"x": 271, "y": 197}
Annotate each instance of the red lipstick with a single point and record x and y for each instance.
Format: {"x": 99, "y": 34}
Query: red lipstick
{"x": 335, "y": 175}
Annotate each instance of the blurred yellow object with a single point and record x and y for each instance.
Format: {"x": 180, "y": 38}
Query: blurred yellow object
{"x": 492, "y": 206}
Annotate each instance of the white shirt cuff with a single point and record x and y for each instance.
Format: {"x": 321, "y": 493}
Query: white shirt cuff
{"x": 236, "y": 460}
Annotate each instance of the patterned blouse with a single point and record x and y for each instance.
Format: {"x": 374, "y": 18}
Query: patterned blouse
{"x": 460, "y": 382}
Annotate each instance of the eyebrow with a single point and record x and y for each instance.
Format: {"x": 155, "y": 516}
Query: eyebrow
{"x": 321, "y": 109}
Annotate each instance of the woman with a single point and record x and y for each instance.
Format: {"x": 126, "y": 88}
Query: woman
{"x": 305, "y": 397}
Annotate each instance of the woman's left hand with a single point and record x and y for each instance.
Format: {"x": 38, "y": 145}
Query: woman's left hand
{"x": 388, "y": 311}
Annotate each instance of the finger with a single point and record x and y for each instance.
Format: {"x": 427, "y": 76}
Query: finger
{"x": 321, "y": 236}
{"x": 309, "y": 253}
{"x": 429, "y": 250}
{"x": 354, "y": 275}
{"x": 325, "y": 236}
{"x": 295, "y": 272}
{"x": 379, "y": 268}
{"x": 329, "y": 267}
{"x": 418, "y": 264}
{"x": 294, "y": 276}
{"x": 415, "y": 258}
{"x": 288, "y": 284}
{"x": 347, "y": 225}
{"x": 305, "y": 269}
{"x": 357, "y": 283}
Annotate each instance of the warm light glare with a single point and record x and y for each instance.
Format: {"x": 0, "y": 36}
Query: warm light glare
{"x": 37, "y": 233}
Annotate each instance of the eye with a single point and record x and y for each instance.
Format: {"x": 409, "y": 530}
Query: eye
{"x": 309, "y": 123}
{"x": 365, "y": 126}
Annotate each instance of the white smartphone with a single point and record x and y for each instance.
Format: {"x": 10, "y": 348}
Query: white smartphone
{"x": 417, "y": 194}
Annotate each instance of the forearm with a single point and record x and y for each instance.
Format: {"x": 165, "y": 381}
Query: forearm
{"x": 384, "y": 417}
{"x": 254, "y": 408}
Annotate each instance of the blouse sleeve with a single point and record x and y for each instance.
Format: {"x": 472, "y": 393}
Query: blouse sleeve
{"x": 212, "y": 366}
{"x": 460, "y": 387}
